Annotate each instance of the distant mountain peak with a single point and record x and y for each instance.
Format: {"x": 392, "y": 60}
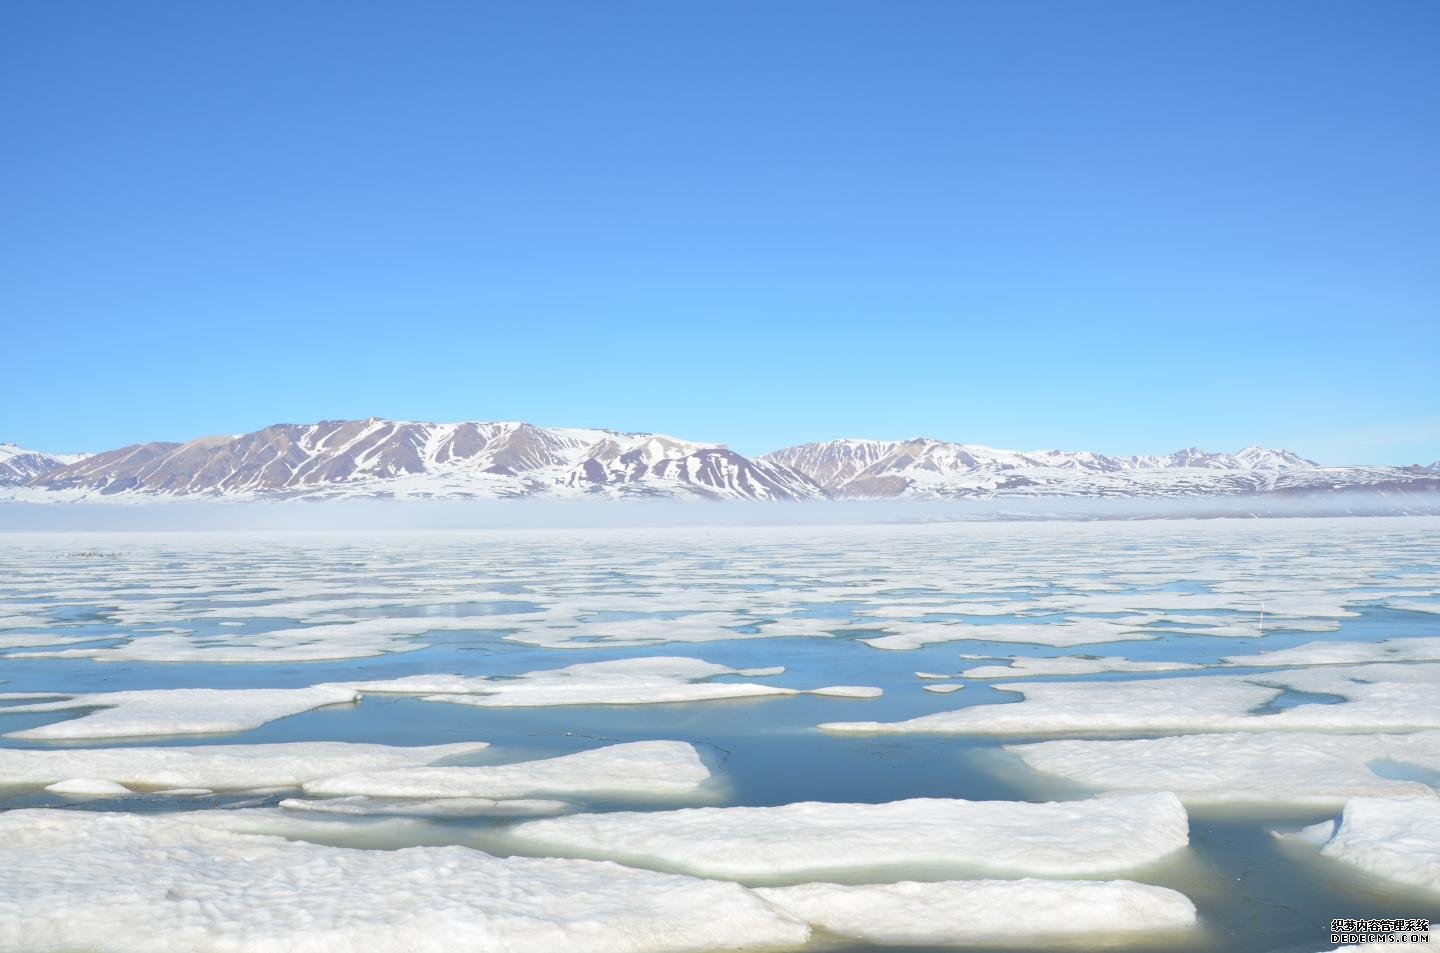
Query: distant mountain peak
{"x": 379, "y": 457}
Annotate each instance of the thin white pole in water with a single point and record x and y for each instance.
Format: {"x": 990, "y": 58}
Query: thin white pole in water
{"x": 1262, "y": 619}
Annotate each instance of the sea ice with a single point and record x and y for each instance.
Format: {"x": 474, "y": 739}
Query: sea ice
{"x": 177, "y": 711}
{"x": 977, "y": 911}
{"x": 216, "y": 767}
{"x": 88, "y": 787}
{"x": 1425, "y": 649}
{"x": 1060, "y": 634}
{"x": 1265, "y": 767}
{"x": 1070, "y": 665}
{"x": 634, "y": 681}
{"x": 1394, "y": 838}
{"x": 636, "y": 768}
{"x": 361, "y": 806}
{"x": 1059, "y": 839}
{"x": 1370, "y": 698}
{"x": 123, "y": 883}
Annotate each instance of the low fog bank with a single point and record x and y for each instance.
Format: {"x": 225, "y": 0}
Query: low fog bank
{"x": 519, "y": 514}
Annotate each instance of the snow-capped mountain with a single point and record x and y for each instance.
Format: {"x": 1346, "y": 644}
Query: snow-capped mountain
{"x": 936, "y": 469}
{"x": 376, "y": 457}
{"x": 18, "y": 465}
{"x": 402, "y": 459}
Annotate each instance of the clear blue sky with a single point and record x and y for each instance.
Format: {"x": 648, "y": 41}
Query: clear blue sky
{"x": 1123, "y": 226}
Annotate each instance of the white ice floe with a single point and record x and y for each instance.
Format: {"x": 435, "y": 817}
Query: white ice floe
{"x": 1071, "y": 632}
{"x": 361, "y": 806}
{"x": 1425, "y": 649}
{"x": 944, "y": 688}
{"x": 1396, "y": 839}
{"x": 88, "y": 787}
{"x": 1368, "y": 698}
{"x": 637, "y": 768}
{"x": 116, "y": 883}
{"x": 634, "y": 681}
{"x": 1292, "y": 768}
{"x": 1059, "y": 839}
{"x": 177, "y": 711}
{"x": 1071, "y": 665}
{"x": 979, "y": 911}
{"x": 216, "y": 767}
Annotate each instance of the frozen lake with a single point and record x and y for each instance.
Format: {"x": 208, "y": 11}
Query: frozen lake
{"x": 1268, "y": 675}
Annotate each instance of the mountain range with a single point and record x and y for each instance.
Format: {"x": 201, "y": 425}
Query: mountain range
{"x": 378, "y": 458}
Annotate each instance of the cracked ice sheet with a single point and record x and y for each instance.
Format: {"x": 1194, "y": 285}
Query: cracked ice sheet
{"x": 178, "y": 711}
{"x": 119, "y": 883}
{"x": 1059, "y": 634}
{"x": 1289, "y": 768}
{"x": 217, "y": 767}
{"x": 1071, "y": 665}
{"x": 1374, "y": 698}
{"x": 1392, "y": 838}
{"x": 636, "y": 768}
{"x": 1061, "y": 839}
{"x": 636, "y": 681}
{"x": 979, "y": 911}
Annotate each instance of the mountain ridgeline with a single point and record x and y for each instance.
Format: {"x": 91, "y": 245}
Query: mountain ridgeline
{"x": 378, "y": 458}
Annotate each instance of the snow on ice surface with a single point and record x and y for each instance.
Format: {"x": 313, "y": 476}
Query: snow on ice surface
{"x": 217, "y": 767}
{"x": 1058, "y": 839}
{"x": 1395, "y": 839}
{"x": 1371, "y": 698}
{"x": 120, "y": 883}
{"x": 636, "y": 681}
{"x": 178, "y": 711}
{"x": 636, "y": 768}
{"x": 1292, "y": 768}
{"x": 975, "y": 911}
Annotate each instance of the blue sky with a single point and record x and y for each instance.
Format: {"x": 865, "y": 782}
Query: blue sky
{"x": 1122, "y": 226}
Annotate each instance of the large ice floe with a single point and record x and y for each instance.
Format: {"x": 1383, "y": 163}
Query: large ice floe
{"x": 1397, "y": 839}
{"x": 1290, "y": 768}
{"x": 120, "y": 883}
{"x": 636, "y": 768}
{"x": 1058, "y": 839}
{"x": 216, "y": 767}
{"x": 176, "y": 711}
{"x": 633, "y": 681}
{"x": 1368, "y": 698}
{"x": 978, "y": 911}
